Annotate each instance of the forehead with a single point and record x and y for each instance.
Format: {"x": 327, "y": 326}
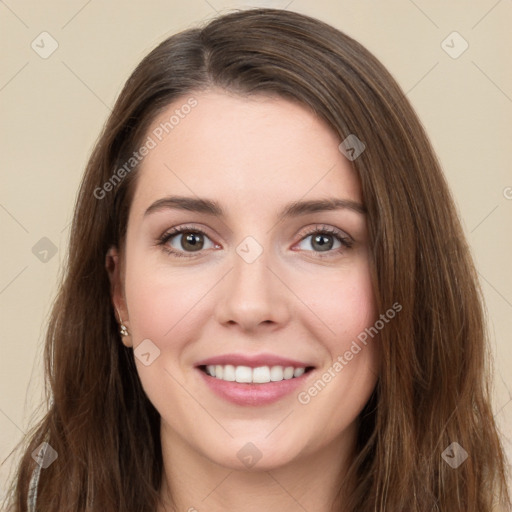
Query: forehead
{"x": 257, "y": 150}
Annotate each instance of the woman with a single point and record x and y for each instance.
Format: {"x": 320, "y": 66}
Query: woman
{"x": 324, "y": 349}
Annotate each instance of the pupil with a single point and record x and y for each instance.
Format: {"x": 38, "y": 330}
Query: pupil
{"x": 320, "y": 239}
{"x": 192, "y": 240}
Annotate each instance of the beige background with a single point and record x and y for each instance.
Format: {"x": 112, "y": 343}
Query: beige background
{"x": 52, "y": 110}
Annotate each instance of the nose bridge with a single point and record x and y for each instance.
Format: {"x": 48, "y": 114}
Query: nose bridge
{"x": 251, "y": 273}
{"x": 253, "y": 293}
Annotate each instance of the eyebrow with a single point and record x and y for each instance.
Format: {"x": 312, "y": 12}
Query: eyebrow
{"x": 293, "y": 209}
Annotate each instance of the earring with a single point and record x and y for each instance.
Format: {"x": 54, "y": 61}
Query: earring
{"x": 123, "y": 330}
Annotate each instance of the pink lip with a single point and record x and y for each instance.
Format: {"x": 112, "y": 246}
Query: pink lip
{"x": 253, "y": 361}
{"x": 253, "y": 394}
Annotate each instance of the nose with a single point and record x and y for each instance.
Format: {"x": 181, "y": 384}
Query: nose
{"x": 253, "y": 291}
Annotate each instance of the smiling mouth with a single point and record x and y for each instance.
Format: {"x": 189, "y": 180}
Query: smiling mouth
{"x": 259, "y": 375}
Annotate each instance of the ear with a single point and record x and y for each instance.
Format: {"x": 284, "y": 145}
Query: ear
{"x": 116, "y": 277}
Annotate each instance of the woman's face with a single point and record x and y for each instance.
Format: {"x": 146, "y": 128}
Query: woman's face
{"x": 248, "y": 285}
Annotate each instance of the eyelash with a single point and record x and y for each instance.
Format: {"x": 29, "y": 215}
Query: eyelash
{"x": 346, "y": 241}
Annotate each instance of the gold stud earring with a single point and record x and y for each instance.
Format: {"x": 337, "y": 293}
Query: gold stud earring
{"x": 123, "y": 330}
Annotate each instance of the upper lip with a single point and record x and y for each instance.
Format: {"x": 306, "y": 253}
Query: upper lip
{"x": 253, "y": 361}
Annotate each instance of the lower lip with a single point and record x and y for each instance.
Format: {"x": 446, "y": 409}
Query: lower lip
{"x": 253, "y": 394}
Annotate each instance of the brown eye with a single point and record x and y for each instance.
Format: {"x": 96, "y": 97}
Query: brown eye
{"x": 192, "y": 241}
{"x": 184, "y": 241}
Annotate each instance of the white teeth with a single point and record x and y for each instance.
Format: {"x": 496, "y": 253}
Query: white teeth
{"x": 276, "y": 373}
{"x": 288, "y": 372}
{"x": 243, "y": 374}
{"x": 259, "y": 375}
{"x": 229, "y": 373}
{"x": 298, "y": 372}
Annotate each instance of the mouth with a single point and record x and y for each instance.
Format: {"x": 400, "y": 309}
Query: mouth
{"x": 254, "y": 386}
{"x": 254, "y": 375}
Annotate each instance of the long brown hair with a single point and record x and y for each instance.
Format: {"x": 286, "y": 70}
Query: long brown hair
{"x": 433, "y": 387}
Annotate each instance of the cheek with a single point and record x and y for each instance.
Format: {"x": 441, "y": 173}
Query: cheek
{"x": 161, "y": 302}
{"x": 154, "y": 306}
{"x": 164, "y": 306}
{"x": 346, "y": 308}
{"x": 343, "y": 304}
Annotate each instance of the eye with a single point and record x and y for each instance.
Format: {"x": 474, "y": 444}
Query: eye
{"x": 324, "y": 238}
{"x": 188, "y": 239}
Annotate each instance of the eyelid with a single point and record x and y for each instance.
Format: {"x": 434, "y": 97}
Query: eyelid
{"x": 325, "y": 228}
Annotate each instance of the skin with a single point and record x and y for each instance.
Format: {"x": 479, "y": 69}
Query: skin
{"x": 253, "y": 155}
